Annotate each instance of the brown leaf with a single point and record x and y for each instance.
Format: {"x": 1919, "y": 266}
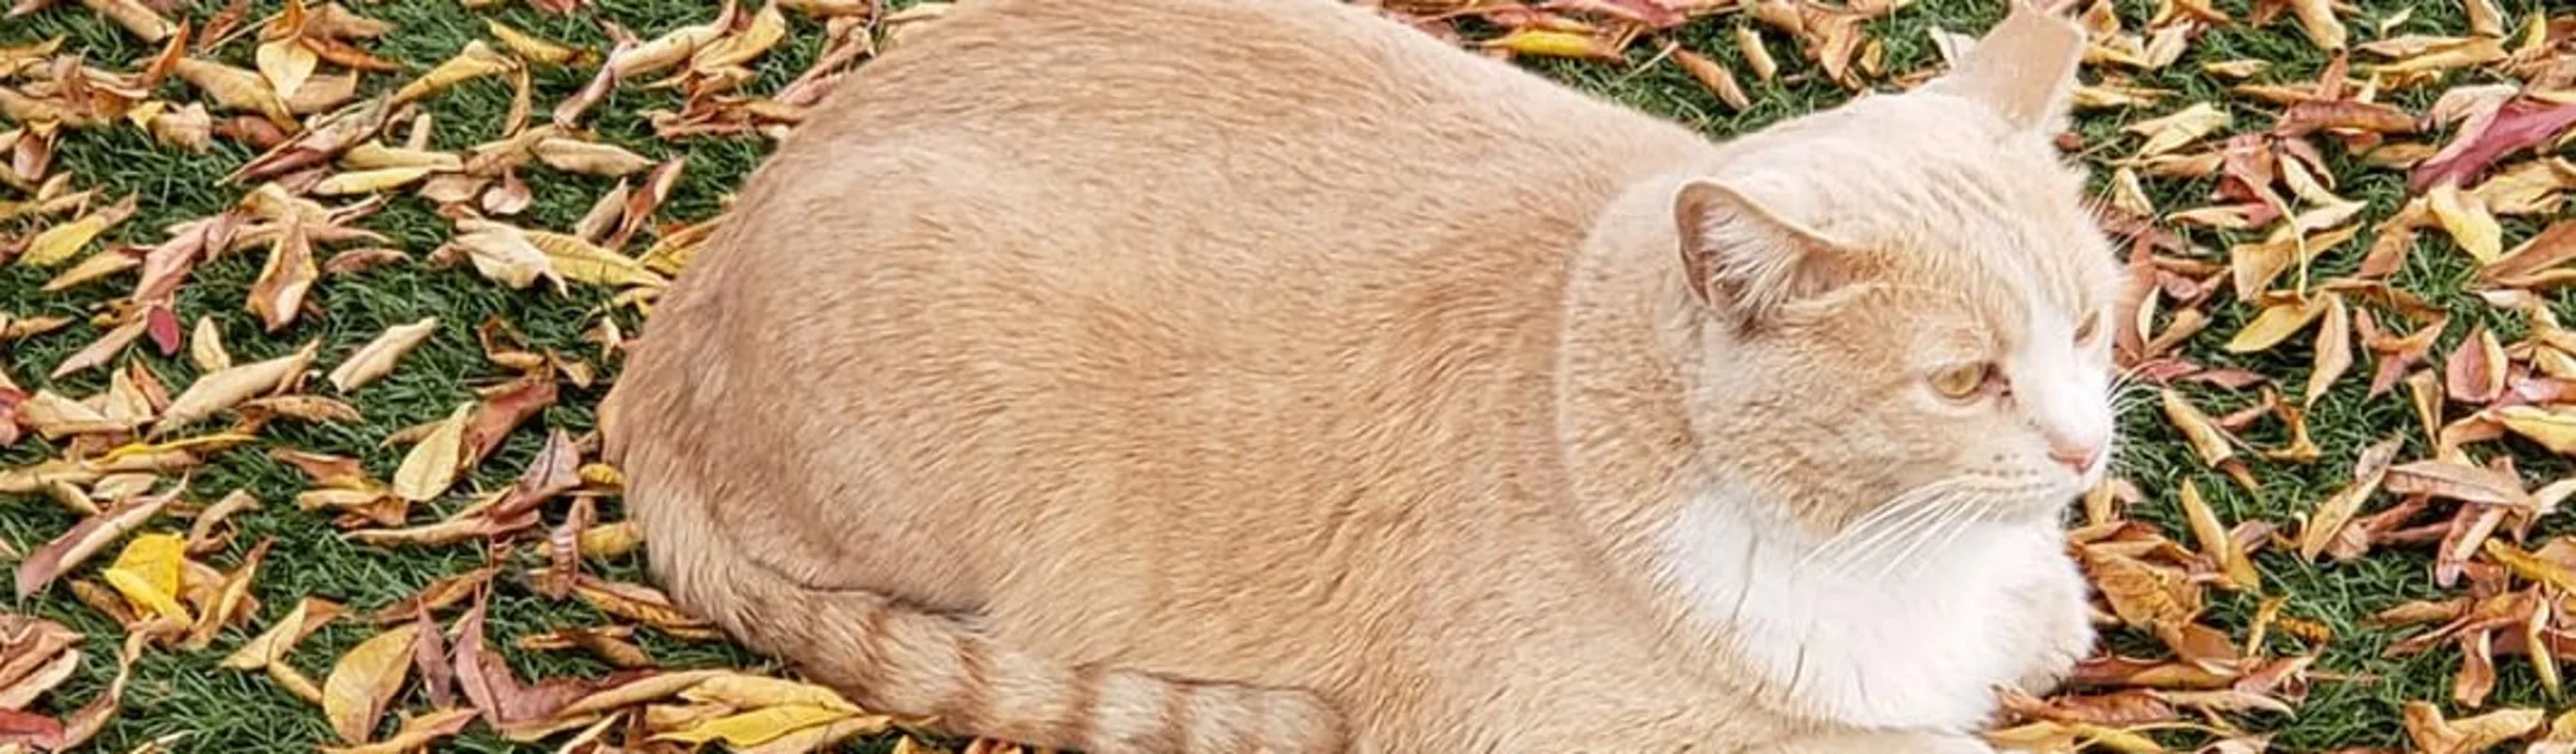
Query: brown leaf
{"x": 2459, "y": 481}
{"x": 2329, "y": 518}
{"x": 488, "y": 684}
{"x": 221, "y": 390}
{"x": 2434, "y": 735}
{"x": 439, "y": 595}
{"x": 2309, "y": 116}
{"x": 278, "y": 295}
{"x": 2475, "y": 372}
{"x": 503, "y": 410}
{"x": 429, "y": 656}
{"x": 1715, "y": 77}
{"x": 85, "y": 539}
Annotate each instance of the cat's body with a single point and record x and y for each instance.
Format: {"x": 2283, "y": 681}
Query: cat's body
{"x": 1115, "y": 374}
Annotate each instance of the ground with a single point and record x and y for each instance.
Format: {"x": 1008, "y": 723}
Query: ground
{"x": 2353, "y": 700}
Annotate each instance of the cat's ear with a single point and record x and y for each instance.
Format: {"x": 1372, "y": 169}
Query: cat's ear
{"x": 2024, "y": 69}
{"x": 1741, "y": 257}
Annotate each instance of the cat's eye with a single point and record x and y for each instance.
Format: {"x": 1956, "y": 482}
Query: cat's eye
{"x": 1962, "y": 381}
{"x": 2091, "y": 326}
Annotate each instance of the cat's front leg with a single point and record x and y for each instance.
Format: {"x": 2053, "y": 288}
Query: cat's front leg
{"x": 2055, "y": 625}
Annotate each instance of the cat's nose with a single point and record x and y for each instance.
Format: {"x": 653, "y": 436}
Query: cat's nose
{"x": 2076, "y": 457}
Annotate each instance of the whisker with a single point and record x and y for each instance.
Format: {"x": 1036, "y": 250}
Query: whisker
{"x": 1895, "y": 531}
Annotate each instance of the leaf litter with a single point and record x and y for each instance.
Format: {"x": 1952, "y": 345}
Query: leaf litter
{"x": 2255, "y": 308}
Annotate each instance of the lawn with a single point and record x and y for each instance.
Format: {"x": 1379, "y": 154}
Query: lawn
{"x": 474, "y": 447}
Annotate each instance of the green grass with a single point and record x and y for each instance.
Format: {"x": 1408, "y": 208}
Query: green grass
{"x": 180, "y": 692}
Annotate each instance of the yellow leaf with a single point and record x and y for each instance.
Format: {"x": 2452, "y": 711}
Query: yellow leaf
{"x": 2276, "y": 323}
{"x": 2316, "y": 17}
{"x": 377, "y": 357}
{"x": 369, "y": 181}
{"x": 432, "y": 465}
{"x": 2211, "y": 534}
{"x": 2553, "y": 428}
{"x": 746, "y": 691}
{"x": 2196, "y": 427}
{"x": 58, "y": 244}
{"x": 2333, "y": 350}
{"x": 286, "y": 63}
{"x": 234, "y": 88}
{"x": 360, "y": 684}
{"x": 147, "y": 573}
{"x": 666, "y": 50}
{"x": 757, "y": 726}
{"x": 589, "y": 157}
{"x": 477, "y": 60}
{"x": 206, "y": 347}
{"x": 767, "y": 27}
{"x": 416, "y": 734}
{"x": 377, "y": 156}
{"x": 2183, "y": 127}
{"x": 2466, "y": 218}
{"x": 134, "y": 16}
{"x": 580, "y": 260}
{"x": 529, "y": 46}
{"x": 1556, "y": 44}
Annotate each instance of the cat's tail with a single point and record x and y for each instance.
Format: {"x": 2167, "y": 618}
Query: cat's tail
{"x": 893, "y": 658}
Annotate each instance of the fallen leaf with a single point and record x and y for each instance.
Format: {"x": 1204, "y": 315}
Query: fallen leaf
{"x": 756, "y": 726}
{"x": 58, "y": 244}
{"x": 365, "y": 680}
{"x": 2174, "y": 131}
{"x": 224, "y": 389}
{"x": 67, "y": 551}
{"x": 377, "y": 357}
{"x": 278, "y": 295}
{"x": 433, "y": 464}
{"x": 475, "y": 60}
{"x": 147, "y": 573}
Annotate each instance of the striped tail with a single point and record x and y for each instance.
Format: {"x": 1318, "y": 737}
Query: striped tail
{"x": 892, "y": 658}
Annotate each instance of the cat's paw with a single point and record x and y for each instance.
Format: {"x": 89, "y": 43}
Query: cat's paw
{"x": 2060, "y": 634}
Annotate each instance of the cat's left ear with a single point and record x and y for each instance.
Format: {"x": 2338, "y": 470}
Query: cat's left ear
{"x": 2024, "y": 69}
{"x": 1742, "y": 258}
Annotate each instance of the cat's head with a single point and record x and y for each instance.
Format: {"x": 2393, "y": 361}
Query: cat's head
{"x": 1904, "y": 302}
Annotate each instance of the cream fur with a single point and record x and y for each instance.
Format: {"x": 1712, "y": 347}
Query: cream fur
{"x": 1256, "y": 375}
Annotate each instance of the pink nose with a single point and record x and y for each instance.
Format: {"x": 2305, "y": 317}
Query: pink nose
{"x": 2078, "y": 458}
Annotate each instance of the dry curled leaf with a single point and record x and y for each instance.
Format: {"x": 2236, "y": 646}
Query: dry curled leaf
{"x": 377, "y": 357}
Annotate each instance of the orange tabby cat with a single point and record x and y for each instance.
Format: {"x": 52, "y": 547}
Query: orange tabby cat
{"x": 1261, "y": 375}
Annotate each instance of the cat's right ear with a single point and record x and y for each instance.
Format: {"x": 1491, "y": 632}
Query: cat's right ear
{"x": 2024, "y": 68}
{"x": 1741, "y": 258}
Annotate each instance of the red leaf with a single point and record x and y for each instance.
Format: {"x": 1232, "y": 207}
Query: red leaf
{"x": 2521, "y": 124}
{"x": 163, "y": 326}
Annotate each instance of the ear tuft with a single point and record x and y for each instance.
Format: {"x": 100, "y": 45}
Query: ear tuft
{"x": 1741, "y": 257}
{"x": 2024, "y": 68}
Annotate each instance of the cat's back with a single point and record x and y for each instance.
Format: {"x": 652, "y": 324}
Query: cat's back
{"x": 1279, "y": 131}
{"x": 1167, "y": 253}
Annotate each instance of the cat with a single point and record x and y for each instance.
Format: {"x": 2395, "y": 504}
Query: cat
{"x": 1264, "y": 375}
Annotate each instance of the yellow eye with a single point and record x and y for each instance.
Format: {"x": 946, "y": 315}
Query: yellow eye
{"x": 1961, "y": 381}
{"x": 2092, "y": 325}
